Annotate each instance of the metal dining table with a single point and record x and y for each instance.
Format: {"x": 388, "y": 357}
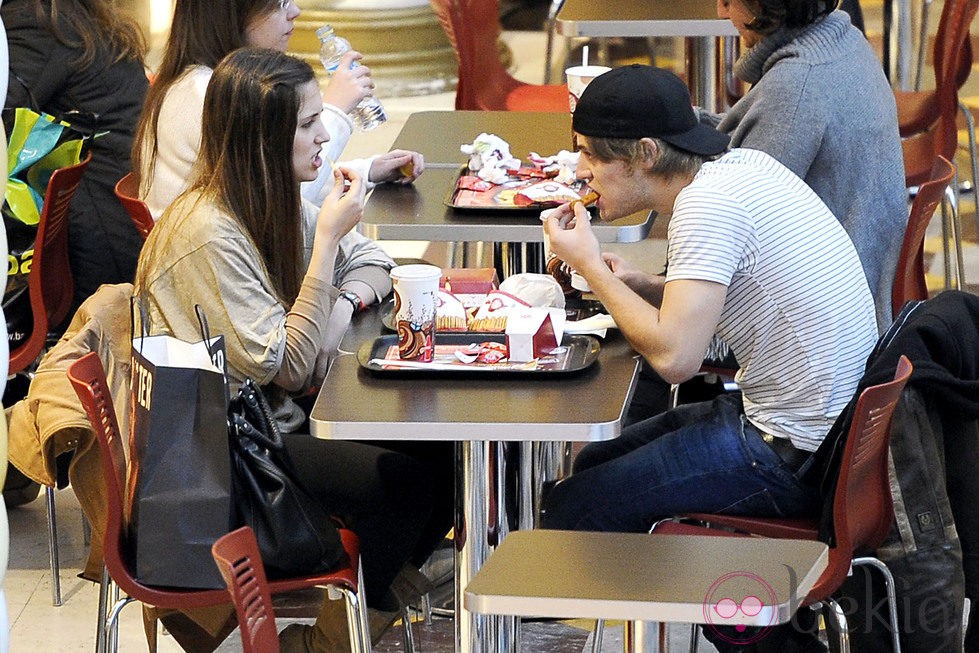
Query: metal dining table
{"x": 421, "y": 210}
{"x": 478, "y": 413}
{"x": 645, "y": 579}
{"x": 695, "y": 20}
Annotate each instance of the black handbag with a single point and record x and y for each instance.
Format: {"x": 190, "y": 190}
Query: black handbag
{"x": 296, "y": 535}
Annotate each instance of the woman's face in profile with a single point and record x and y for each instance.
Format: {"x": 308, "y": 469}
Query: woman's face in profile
{"x": 310, "y": 133}
{"x": 740, "y": 16}
{"x": 273, "y": 28}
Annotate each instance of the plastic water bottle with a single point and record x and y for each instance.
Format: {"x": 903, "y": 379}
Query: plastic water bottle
{"x": 369, "y": 113}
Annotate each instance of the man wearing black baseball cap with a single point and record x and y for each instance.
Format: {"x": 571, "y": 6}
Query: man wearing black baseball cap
{"x": 756, "y": 259}
{"x": 637, "y": 101}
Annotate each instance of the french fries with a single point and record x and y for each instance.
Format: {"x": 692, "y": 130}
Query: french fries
{"x": 587, "y": 200}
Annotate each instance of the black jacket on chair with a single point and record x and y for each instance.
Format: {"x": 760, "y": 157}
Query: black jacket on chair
{"x": 105, "y": 97}
{"x": 933, "y": 547}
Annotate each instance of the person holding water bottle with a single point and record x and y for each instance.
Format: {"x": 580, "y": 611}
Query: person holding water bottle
{"x": 369, "y": 113}
{"x": 169, "y": 132}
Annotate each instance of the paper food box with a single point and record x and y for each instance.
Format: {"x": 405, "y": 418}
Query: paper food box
{"x": 529, "y": 334}
{"x": 469, "y": 285}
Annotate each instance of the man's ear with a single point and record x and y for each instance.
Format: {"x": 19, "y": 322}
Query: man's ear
{"x": 650, "y": 152}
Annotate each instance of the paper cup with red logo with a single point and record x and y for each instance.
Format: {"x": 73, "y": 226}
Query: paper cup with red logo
{"x": 578, "y": 79}
{"x": 415, "y": 300}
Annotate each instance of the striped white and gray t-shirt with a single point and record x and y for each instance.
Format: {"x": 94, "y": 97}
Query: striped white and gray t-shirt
{"x": 798, "y": 315}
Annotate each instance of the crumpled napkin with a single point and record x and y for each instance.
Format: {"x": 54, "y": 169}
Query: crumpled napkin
{"x": 489, "y": 158}
{"x": 564, "y": 162}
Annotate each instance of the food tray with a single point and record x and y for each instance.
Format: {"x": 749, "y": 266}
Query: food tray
{"x": 500, "y": 197}
{"x": 578, "y": 352}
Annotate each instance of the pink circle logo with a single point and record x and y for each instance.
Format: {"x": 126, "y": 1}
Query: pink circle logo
{"x": 740, "y": 594}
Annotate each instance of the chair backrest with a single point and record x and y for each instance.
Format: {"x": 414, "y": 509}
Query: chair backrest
{"x": 127, "y": 190}
{"x": 240, "y": 563}
{"x": 953, "y": 45}
{"x": 87, "y": 377}
{"x": 909, "y": 277}
{"x": 862, "y": 508}
{"x": 932, "y": 129}
{"x": 473, "y": 27}
{"x": 953, "y": 63}
{"x": 50, "y": 285}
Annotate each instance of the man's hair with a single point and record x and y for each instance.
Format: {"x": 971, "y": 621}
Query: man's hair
{"x": 769, "y": 15}
{"x": 671, "y": 161}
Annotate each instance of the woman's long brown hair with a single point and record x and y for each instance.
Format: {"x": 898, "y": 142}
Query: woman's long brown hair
{"x": 249, "y": 126}
{"x": 770, "y": 15}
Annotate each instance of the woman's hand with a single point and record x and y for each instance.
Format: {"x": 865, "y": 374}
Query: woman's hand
{"x": 398, "y": 166}
{"x": 349, "y": 84}
{"x": 344, "y": 207}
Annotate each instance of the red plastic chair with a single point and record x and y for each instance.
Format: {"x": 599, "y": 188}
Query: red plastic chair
{"x": 50, "y": 285}
{"x": 87, "y": 376}
{"x": 929, "y": 127}
{"x": 127, "y": 190}
{"x": 909, "y": 278}
{"x": 50, "y": 289}
{"x": 928, "y": 118}
{"x": 473, "y": 27}
{"x": 917, "y": 110}
{"x": 240, "y": 563}
{"x": 862, "y": 508}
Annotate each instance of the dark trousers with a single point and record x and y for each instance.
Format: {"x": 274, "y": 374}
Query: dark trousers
{"x": 398, "y": 502}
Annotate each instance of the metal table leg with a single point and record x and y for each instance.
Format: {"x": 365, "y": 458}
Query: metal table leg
{"x": 701, "y": 71}
{"x": 480, "y": 526}
{"x": 513, "y": 258}
{"x": 645, "y": 637}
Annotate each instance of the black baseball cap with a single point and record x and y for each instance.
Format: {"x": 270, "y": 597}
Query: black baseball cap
{"x": 637, "y": 101}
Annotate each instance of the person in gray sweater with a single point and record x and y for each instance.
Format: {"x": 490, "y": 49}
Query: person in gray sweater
{"x": 819, "y": 103}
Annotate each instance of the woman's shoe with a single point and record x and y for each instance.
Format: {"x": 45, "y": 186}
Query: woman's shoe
{"x": 19, "y": 489}
{"x": 297, "y": 638}
{"x": 328, "y": 635}
{"x": 380, "y": 621}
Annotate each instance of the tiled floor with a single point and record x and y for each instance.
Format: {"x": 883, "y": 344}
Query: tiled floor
{"x": 38, "y": 627}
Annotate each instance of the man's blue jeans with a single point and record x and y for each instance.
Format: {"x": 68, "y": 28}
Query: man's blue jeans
{"x": 703, "y": 457}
